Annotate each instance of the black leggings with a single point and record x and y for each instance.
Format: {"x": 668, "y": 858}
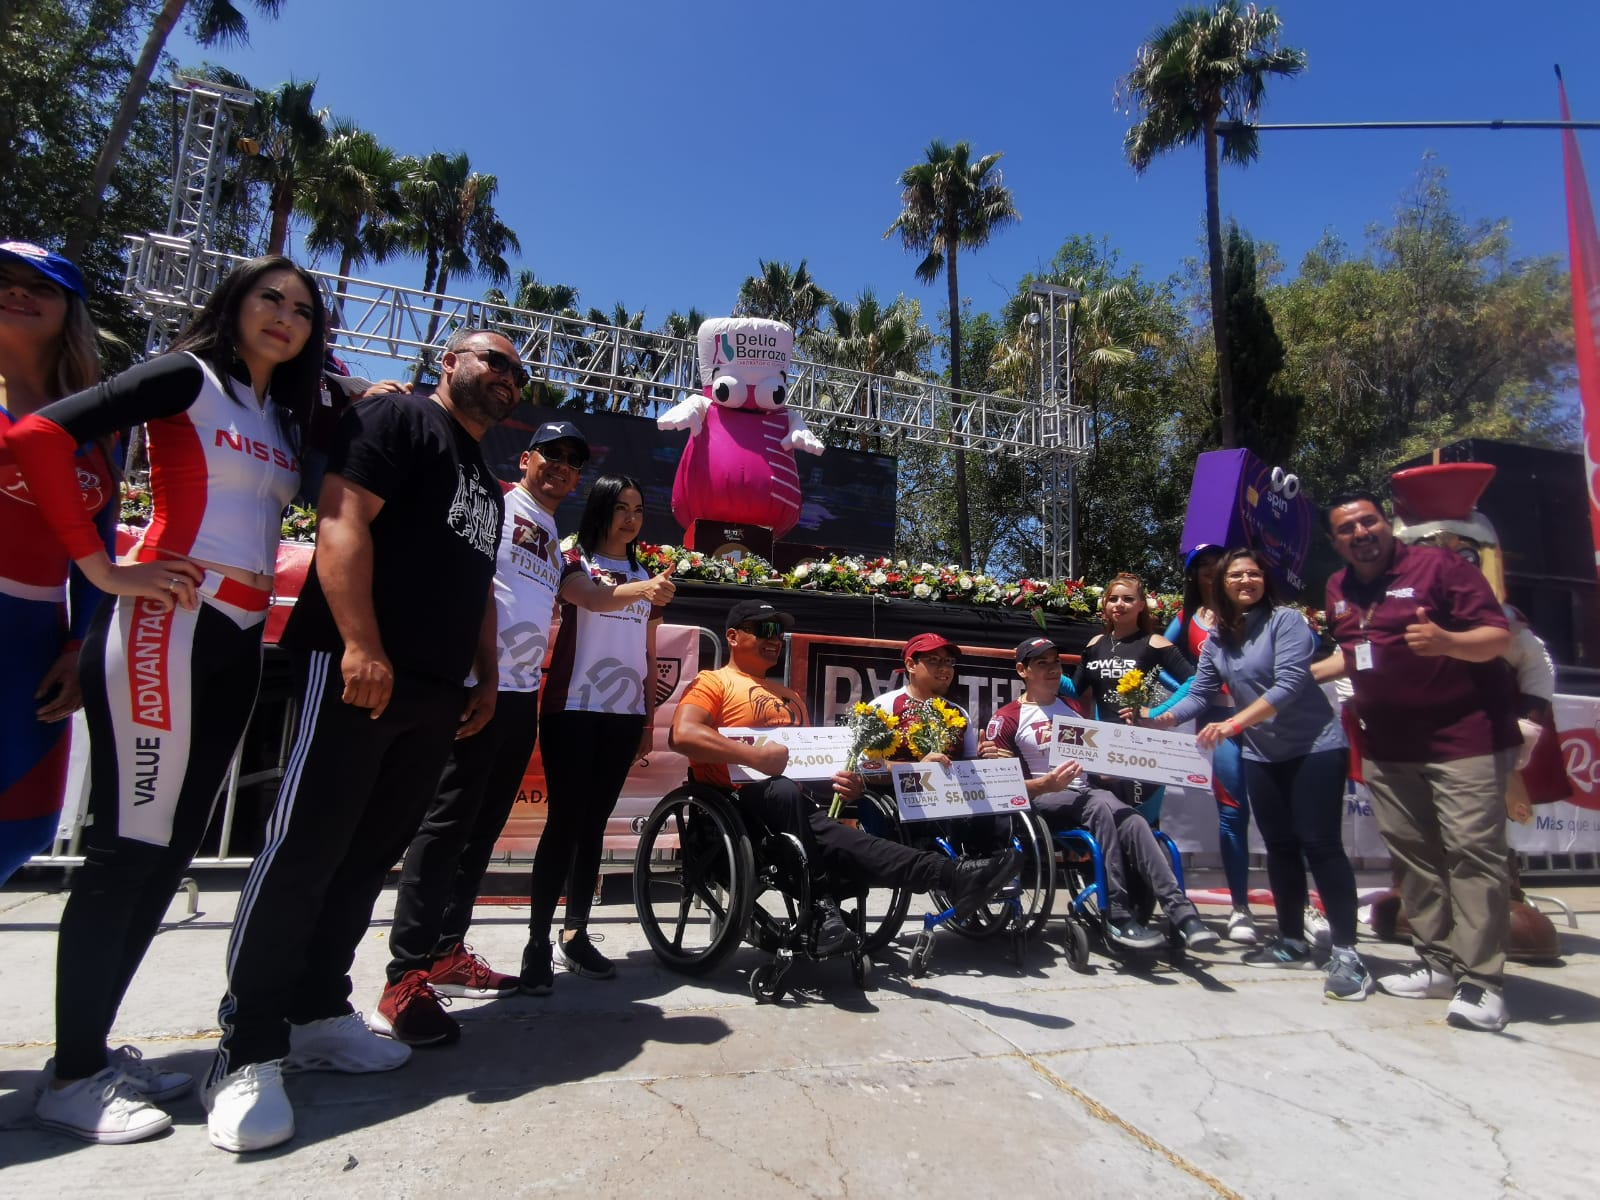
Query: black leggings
{"x": 1298, "y": 805}
{"x": 167, "y": 697}
{"x": 587, "y": 757}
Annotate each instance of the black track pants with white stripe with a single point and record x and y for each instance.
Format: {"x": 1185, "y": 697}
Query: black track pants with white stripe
{"x": 167, "y": 697}
{"x": 353, "y": 795}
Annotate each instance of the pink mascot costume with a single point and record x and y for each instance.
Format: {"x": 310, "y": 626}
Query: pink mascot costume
{"x": 739, "y": 464}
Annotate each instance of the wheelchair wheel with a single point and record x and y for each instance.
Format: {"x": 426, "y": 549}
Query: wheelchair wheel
{"x": 693, "y": 879}
{"x": 920, "y": 954}
{"x": 1077, "y": 946}
{"x": 861, "y": 971}
{"x": 1037, "y": 871}
{"x": 766, "y": 983}
{"x": 878, "y": 913}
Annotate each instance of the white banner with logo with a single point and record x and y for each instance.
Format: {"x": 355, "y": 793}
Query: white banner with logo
{"x": 930, "y": 791}
{"x": 1130, "y": 752}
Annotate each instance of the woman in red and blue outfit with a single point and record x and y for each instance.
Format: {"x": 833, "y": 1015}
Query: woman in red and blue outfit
{"x": 47, "y": 350}
{"x": 172, "y": 660}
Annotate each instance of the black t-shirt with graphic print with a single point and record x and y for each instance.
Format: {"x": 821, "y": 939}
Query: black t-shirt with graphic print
{"x": 433, "y": 543}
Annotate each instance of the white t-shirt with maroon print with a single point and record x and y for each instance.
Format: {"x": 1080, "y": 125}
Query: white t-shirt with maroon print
{"x": 599, "y": 662}
{"x": 527, "y": 575}
{"x": 1023, "y": 729}
{"x": 896, "y": 702}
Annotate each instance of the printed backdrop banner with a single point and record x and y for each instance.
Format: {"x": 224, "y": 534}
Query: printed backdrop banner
{"x": 1584, "y": 247}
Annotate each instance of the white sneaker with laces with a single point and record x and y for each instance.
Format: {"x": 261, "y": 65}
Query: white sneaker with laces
{"x": 343, "y": 1044}
{"x": 102, "y": 1108}
{"x": 1242, "y": 928}
{"x": 149, "y": 1080}
{"x": 1423, "y": 983}
{"x": 249, "y": 1110}
{"x": 1477, "y": 1007}
{"x": 1317, "y": 931}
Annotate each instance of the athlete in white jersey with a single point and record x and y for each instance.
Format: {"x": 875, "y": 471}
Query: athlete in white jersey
{"x": 170, "y": 667}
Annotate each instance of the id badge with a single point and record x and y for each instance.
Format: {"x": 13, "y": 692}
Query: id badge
{"x": 1363, "y": 656}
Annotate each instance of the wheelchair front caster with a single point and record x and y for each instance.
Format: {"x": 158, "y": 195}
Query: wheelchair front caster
{"x": 1175, "y": 944}
{"x": 920, "y": 954}
{"x": 1077, "y": 947}
{"x": 1019, "y": 942}
{"x": 766, "y": 983}
{"x": 861, "y": 971}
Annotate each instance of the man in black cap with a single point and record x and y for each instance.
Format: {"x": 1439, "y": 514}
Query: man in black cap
{"x": 445, "y": 864}
{"x": 741, "y": 696}
{"x": 1062, "y": 796}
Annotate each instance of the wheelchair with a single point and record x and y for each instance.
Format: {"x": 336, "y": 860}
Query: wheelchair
{"x": 1017, "y": 912}
{"x": 1083, "y": 867}
{"x": 702, "y": 885}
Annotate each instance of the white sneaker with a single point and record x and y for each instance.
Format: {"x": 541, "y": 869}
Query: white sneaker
{"x": 1317, "y": 931}
{"x": 1242, "y": 927}
{"x": 249, "y": 1109}
{"x": 150, "y": 1081}
{"x": 1423, "y": 983}
{"x": 1477, "y": 1007}
{"x": 342, "y": 1044}
{"x": 102, "y": 1108}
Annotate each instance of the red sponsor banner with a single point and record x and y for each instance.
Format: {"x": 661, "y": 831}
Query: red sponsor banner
{"x": 1585, "y": 252}
{"x": 149, "y": 690}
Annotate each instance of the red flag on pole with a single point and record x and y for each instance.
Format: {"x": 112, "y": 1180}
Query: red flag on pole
{"x": 1584, "y": 248}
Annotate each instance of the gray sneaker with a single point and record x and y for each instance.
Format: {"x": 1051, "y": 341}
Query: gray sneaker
{"x": 1347, "y": 977}
{"x": 1280, "y": 952}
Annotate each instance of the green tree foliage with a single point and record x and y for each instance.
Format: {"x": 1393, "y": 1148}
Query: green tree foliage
{"x": 283, "y": 141}
{"x": 1203, "y": 66}
{"x": 949, "y": 201}
{"x": 1434, "y": 333}
{"x": 780, "y": 292}
{"x": 50, "y": 130}
{"x": 350, "y": 195}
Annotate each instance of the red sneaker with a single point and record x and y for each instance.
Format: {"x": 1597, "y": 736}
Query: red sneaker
{"x": 410, "y": 1012}
{"x": 462, "y": 973}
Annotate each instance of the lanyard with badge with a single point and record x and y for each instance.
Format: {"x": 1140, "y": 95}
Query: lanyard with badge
{"x": 1363, "y": 648}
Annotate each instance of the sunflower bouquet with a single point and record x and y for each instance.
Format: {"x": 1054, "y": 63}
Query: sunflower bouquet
{"x": 874, "y": 736}
{"x": 932, "y": 727}
{"x": 1140, "y": 689}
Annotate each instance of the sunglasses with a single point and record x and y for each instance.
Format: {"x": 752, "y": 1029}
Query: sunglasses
{"x": 764, "y": 629}
{"x": 500, "y": 364}
{"x": 562, "y": 458}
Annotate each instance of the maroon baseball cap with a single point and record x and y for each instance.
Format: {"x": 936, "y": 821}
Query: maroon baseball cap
{"x": 1036, "y": 647}
{"x": 926, "y": 643}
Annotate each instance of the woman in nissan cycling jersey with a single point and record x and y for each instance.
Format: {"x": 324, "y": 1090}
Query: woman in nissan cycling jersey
{"x": 598, "y": 707}
{"x": 170, "y": 668}
{"x": 47, "y": 350}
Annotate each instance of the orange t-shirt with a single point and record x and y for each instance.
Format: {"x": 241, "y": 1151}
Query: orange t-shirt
{"x": 737, "y": 701}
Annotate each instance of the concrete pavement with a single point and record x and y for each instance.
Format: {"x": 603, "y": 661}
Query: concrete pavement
{"x": 976, "y": 1080}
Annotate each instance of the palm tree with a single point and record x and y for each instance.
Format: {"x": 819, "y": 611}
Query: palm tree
{"x": 216, "y": 22}
{"x": 868, "y": 336}
{"x": 350, "y": 194}
{"x": 1204, "y": 65}
{"x": 450, "y": 220}
{"x": 947, "y": 202}
{"x": 285, "y": 137}
{"x": 783, "y": 293}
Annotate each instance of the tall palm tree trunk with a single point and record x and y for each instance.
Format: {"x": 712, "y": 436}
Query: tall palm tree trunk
{"x": 1219, "y": 322}
{"x": 282, "y": 203}
{"x": 122, "y": 125}
{"x": 963, "y": 515}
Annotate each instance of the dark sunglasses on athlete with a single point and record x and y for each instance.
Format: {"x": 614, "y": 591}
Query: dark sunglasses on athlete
{"x": 563, "y": 458}
{"x": 764, "y": 629}
{"x": 500, "y": 364}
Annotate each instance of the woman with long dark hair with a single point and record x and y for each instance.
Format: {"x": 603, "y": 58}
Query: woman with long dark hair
{"x": 47, "y": 350}
{"x": 1189, "y": 631}
{"x": 1129, "y": 642}
{"x": 1295, "y": 759}
{"x": 171, "y": 665}
{"x": 598, "y": 711}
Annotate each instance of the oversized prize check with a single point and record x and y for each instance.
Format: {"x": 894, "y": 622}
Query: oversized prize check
{"x": 928, "y": 791}
{"x": 815, "y": 751}
{"x": 1130, "y": 752}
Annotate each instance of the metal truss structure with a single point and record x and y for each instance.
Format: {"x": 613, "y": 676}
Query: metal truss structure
{"x": 1062, "y": 426}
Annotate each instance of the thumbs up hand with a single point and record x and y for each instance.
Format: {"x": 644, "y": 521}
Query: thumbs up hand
{"x": 660, "y": 589}
{"x": 1427, "y": 639}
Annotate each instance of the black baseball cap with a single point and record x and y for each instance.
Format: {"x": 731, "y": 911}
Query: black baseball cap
{"x": 1036, "y": 647}
{"x": 558, "y": 431}
{"x": 756, "y": 610}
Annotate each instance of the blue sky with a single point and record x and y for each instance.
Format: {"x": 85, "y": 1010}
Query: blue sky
{"x": 651, "y": 153}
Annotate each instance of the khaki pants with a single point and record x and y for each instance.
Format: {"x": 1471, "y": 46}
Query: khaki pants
{"x": 1445, "y": 826}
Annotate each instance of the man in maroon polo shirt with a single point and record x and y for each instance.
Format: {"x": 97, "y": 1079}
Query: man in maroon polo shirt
{"x": 1421, "y": 637}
